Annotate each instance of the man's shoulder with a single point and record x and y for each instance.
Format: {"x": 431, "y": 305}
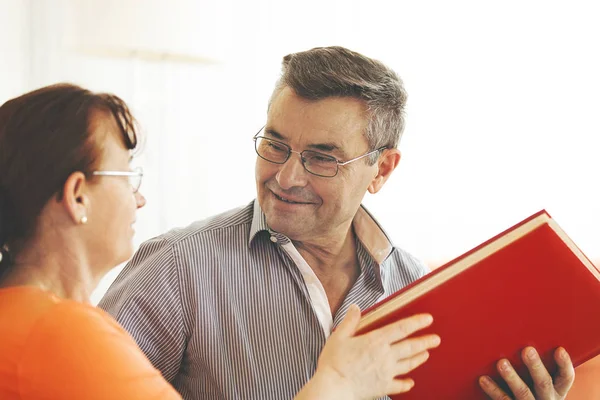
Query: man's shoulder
{"x": 160, "y": 262}
{"x": 407, "y": 264}
{"x": 237, "y": 218}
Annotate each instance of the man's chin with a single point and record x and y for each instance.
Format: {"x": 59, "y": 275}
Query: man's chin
{"x": 288, "y": 219}
{"x": 293, "y": 228}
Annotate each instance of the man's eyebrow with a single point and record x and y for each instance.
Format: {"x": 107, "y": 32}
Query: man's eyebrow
{"x": 328, "y": 147}
{"x": 274, "y": 134}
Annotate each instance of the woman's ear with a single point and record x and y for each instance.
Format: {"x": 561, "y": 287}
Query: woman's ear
{"x": 75, "y": 199}
{"x": 386, "y": 164}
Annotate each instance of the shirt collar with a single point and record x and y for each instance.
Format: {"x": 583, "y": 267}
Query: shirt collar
{"x": 367, "y": 230}
{"x": 371, "y": 235}
{"x": 259, "y": 222}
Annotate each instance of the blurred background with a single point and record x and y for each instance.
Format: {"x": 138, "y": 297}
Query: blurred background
{"x": 502, "y": 118}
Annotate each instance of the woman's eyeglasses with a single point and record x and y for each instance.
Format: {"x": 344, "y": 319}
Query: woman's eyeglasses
{"x": 135, "y": 176}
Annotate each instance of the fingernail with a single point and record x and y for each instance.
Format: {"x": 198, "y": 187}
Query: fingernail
{"x": 505, "y": 365}
{"x": 563, "y": 354}
{"x": 437, "y": 340}
{"x": 531, "y": 354}
{"x": 485, "y": 380}
{"x": 428, "y": 319}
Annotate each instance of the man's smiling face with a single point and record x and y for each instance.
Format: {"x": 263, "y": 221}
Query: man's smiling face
{"x": 297, "y": 203}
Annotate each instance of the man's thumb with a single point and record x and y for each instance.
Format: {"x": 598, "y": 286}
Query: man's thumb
{"x": 350, "y": 322}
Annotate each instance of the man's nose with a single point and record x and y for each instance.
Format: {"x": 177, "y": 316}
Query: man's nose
{"x": 292, "y": 172}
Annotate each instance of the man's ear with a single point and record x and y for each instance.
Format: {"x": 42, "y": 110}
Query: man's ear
{"x": 74, "y": 198}
{"x": 387, "y": 163}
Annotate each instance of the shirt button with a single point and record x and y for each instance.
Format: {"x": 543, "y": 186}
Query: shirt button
{"x": 273, "y": 239}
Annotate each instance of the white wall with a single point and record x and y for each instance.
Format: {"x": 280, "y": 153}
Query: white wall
{"x": 502, "y": 113}
{"x": 14, "y": 46}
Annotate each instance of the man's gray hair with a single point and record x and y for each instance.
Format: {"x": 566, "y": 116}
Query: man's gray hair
{"x": 335, "y": 71}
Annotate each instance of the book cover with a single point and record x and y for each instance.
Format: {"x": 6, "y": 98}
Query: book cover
{"x": 528, "y": 286}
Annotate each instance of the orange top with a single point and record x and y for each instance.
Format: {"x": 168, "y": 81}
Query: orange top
{"x": 61, "y": 349}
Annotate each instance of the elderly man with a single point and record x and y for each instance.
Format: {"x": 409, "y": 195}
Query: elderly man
{"x": 240, "y": 305}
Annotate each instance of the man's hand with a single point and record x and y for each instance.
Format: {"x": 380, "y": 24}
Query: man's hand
{"x": 544, "y": 387}
{"x": 366, "y": 366}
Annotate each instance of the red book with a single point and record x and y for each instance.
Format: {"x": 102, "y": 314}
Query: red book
{"x": 528, "y": 286}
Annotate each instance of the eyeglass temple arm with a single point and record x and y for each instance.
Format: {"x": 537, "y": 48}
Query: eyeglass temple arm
{"x": 359, "y": 157}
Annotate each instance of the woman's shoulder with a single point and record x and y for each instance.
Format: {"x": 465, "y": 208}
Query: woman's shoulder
{"x": 21, "y": 308}
{"x": 80, "y": 318}
{"x": 35, "y": 310}
{"x": 81, "y": 344}
{"x": 81, "y": 327}
{"x": 27, "y": 299}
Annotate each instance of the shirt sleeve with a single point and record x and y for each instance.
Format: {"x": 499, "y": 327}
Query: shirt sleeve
{"x": 77, "y": 352}
{"x": 146, "y": 300}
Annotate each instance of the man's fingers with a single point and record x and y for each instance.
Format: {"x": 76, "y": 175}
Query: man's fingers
{"x": 400, "y": 386}
{"x": 406, "y": 365}
{"x": 409, "y": 347}
{"x": 542, "y": 381}
{"x": 348, "y": 326}
{"x": 514, "y": 381}
{"x": 543, "y": 384}
{"x": 566, "y": 373}
{"x": 492, "y": 390}
{"x": 405, "y": 327}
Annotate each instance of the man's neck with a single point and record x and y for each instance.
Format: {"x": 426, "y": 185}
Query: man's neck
{"x": 330, "y": 252}
{"x": 335, "y": 263}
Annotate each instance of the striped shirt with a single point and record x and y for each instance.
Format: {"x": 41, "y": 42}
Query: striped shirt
{"x": 225, "y": 309}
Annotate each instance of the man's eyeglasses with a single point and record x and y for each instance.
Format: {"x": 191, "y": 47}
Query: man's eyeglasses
{"x": 135, "y": 176}
{"x": 316, "y": 163}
